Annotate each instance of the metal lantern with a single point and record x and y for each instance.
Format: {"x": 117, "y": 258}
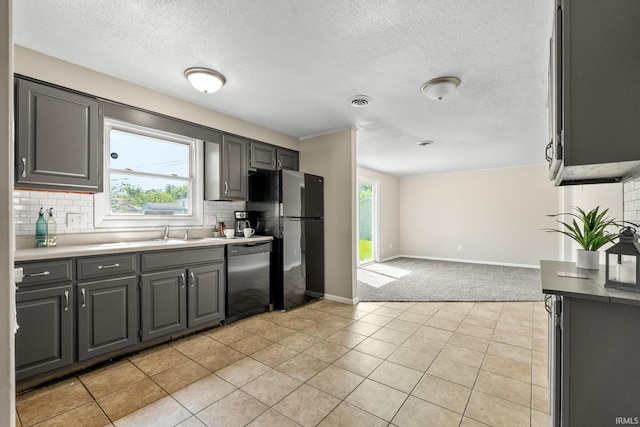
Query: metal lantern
{"x": 623, "y": 262}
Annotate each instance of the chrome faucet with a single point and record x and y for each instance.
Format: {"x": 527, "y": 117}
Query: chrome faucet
{"x": 166, "y": 231}
{"x": 186, "y": 234}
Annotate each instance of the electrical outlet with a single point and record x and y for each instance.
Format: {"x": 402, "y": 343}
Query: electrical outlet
{"x": 390, "y": 245}
{"x": 459, "y": 247}
{"x": 75, "y": 220}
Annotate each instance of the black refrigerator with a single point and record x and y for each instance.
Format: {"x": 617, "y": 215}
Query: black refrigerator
{"x": 289, "y": 206}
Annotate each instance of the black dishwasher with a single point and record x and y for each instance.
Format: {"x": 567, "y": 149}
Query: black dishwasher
{"x": 248, "y": 275}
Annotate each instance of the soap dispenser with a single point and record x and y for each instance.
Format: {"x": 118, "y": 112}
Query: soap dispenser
{"x": 52, "y": 237}
{"x": 41, "y": 230}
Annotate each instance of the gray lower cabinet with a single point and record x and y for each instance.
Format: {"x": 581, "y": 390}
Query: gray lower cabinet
{"x": 205, "y": 294}
{"x": 58, "y": 143}
{"x": 234, "y": 170}
{"x": 44, "y": 341}
{"x": 46, "y": 318}
{"x": 164, "y": 303}
{"x": 107, "y": 316}
{"x": 181, "y": 289}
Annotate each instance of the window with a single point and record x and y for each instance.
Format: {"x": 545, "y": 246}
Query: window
{"x": 150, "y": 178}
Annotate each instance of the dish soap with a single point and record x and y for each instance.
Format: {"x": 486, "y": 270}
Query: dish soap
{"x": 52, "y": 237}
{"x": 41, "y": 230}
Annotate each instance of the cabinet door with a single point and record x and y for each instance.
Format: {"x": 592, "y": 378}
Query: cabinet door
{"x": 44, "y": 341}
{"x": 263, "y": 156}
{"x": 206, "y": 294}
{"x": 163, "y": 303}
{"x": 234, "y": 168}
{"x": 57, "y": 139}
{"x": 107, "y": 316}
{"x": 288, "y": 159}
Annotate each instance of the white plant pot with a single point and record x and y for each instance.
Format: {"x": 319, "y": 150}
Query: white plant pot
{"x": 588, "y": 259}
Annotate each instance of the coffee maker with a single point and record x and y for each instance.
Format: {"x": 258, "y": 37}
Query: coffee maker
{"x": 242, "y": 222}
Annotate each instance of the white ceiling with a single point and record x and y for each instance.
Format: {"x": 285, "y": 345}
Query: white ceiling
{"x": 292, "y": 65}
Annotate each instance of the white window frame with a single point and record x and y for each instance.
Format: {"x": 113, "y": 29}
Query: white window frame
{"x": 103, "y": 218}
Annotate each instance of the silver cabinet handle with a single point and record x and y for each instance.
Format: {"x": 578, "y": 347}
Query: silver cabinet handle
{"x": 182, "y": 280}
{"x": 24, "y": 167}
{"x": 226, "y": 187}
{"x": 100, "y": 267}
{"x": 84, "y": 298}
{"x": 193, "y": 279}
{"x": 66, "y": 300}
{"x": 42, "y": 273}
{"x": 279, "y": 163}
{"x": 273, "y": 163}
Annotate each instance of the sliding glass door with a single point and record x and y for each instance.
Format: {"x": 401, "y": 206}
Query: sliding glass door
{"x": 367, "y": 220}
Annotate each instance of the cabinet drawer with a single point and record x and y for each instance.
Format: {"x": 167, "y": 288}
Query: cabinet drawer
{"x": 112, "y": 265}
{"x": 37, "y": 273}
{"x": 162, "y": 260}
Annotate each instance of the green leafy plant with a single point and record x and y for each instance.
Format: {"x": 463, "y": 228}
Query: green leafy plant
{"x": 215, "y": 229}
{"x": 588, "y": 229}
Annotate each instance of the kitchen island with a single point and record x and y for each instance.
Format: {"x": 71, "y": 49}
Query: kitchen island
{"x": 594, "y": 348}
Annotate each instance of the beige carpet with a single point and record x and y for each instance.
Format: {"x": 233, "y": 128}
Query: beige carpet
{"x": 408, "y": 279}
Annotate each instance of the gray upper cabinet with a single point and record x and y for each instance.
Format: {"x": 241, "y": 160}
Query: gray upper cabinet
{"x": 58, "y": 141}
{"x": 594, "y": 62}
{"x": 288, "y": 159}
{"x": 234, "y": 169}
{"x": 269, "y": 157}
{"x": 263, "y": 156}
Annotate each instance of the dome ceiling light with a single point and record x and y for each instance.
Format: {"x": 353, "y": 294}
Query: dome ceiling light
{"x": 204, "y": 79}
{"x": 439, "y": 88}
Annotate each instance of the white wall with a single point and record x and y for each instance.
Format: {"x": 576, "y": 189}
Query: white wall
{"x": 388, "y": 212}
{"x": 7, "y": 293}
{"x": 333, "y": 156}
{"x": 495, "y": 216}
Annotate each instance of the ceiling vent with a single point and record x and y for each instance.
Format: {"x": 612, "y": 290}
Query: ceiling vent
{"x": 360, "y": 101}
{"x": 424, "y": 143}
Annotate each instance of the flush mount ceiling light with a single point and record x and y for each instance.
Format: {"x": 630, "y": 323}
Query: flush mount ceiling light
{"x": 204, "y": 79}
{"x": 441, "y": 87}
{"x": 360, "y": 101}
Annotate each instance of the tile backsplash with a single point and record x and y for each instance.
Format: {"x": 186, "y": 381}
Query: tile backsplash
{"x": 631, "y": 189}
{"x": 26, "y": 205}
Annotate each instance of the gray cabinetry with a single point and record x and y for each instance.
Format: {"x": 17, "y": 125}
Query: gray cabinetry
{"x": 234, "y": 169}
{"x": 57, "y": 139}
{"x": 595, "y": 121}
{"x": 287, "y": 159}
{"x": 263, "y": 156}
{"x": 269, "y": 157}
{"x": 205, "y": 294}
{"x": 45, "y": 314}
{"x": 106, "y": 305}
{"x": 181, "y": 289}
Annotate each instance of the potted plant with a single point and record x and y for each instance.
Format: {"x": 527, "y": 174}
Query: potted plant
{"x": 216, "y": 231}
{"x": 589, "y": 230}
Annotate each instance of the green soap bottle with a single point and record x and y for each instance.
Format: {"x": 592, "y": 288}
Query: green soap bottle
{"x": 52, "y": 237}
{"x": 41, "y": 230}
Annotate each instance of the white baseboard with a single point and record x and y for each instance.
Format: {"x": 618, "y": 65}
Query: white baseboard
{"x": 343, "y": 300}
{"x": 469, "y": 261}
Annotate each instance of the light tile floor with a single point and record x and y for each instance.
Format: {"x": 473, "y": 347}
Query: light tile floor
{"x": 326, "y": 364}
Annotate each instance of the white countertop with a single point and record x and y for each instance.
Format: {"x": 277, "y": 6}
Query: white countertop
{"x": 88, "y": 249}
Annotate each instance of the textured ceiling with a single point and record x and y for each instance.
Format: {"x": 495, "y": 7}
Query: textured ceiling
{"x": 292, "y": 65}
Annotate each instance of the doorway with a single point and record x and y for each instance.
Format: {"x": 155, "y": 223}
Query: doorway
{"x": 367, "y": 221}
